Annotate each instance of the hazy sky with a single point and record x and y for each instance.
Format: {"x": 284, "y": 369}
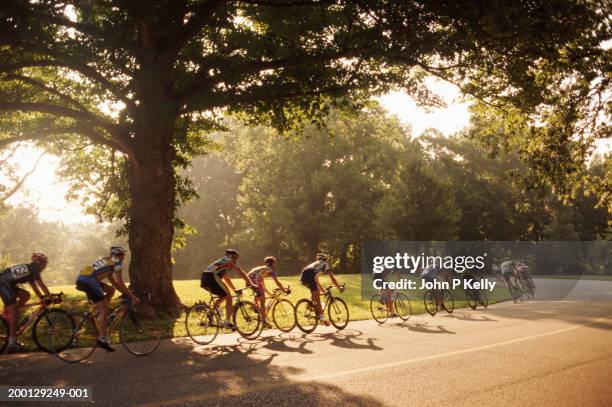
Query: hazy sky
{"x": 45, "y": 191}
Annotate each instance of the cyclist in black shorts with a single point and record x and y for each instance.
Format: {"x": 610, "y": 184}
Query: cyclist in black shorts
{"x": 15, "y": 297}
{"x": 310, "y": 278}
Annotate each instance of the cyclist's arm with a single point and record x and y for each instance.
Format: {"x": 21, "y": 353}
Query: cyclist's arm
{"x": 37, "y": 286}
{"x": 228, "y": 281}
{"x": 116, "y": 280}
{"x": 244, "y": 276}
{"x": 333, "y": 279}
{"x": 278, "y": 283}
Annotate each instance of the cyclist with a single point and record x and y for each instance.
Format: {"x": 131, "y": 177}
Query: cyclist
{"x": 508, "y": 270}
{"x": 257, "y": 277}
{"x": 523, "y": 272}
{"x": 15, "y": 297}
{"x": 100, "y": 294}
{"x": 310, "y": 278}
{"x": 386, "y": 294}
{"x": 216, "y": 280}
{"x": 431, "y": 274}
{"x": 470, "y": 276}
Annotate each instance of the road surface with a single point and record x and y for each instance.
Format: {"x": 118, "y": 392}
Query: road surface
{"x": 551, "y": 352}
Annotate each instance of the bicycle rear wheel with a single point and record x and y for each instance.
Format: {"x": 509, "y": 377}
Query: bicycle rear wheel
{"x": 485, "y": 298}
{"x": 202, "y": 324}
{"x": 449, "y": 303}
{"x": 81, "y": 340}
{"x": 247, "y": 319}
{"x": 378, "y": 309}
{"x": 306, "y": 317}
{"x": 403, "y": 306}
{"x": 283, "y": 315}
{"x": 40, "y": 329}
{"x": 140, "y": 332}
{"x": 4, "y": 334}
{"x": 431, "y": 306}
{"x": 338, "y": 313}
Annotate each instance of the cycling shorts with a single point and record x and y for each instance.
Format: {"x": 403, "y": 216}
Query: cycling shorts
{"x": 91, "y": 287}
{"x": 308, "y": 279}
{"x": 211, "y": 283}
{"x": 7, "y": 292}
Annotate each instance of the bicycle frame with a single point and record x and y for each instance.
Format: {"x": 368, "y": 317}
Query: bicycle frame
{"x": 35, "y": 314}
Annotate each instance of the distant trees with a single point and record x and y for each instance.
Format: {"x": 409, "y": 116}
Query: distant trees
{"x": 364, "y": 177}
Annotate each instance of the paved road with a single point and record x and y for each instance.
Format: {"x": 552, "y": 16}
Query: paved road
{"x": 551, "y": 352}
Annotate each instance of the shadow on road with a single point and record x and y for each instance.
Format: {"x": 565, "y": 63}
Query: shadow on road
{"x": 470, "y": 317}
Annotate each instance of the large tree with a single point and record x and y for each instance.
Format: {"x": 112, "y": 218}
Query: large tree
{"x": 128, "y": 89}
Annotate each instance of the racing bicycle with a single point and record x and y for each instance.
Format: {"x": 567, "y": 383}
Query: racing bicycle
{"x": 306, "y": 316}
{"x": 40, "y": 320}
{"x": 438, "y": 299}
{"x": 203, "y": 320}
{"x": 380, "y": 311}
{"x": 138, "y": 328}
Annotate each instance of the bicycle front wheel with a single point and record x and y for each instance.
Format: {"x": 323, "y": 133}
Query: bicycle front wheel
{"x": 40, "y": 329}
{"x": 306, "y": 317}
{"x": 378, "y": 308}
{"x": 471, "y": 298}
{"x": 202, "y": 324}
{"x": 431, "y": 305}
{"x": 283, "y": 315}
{"x": 247, "y": 319}
{"x": 338, "y": 313}
{"x": 81, "y": 340}
{"x": 448, "y": 302}
{"x": 140, "y": 331}
{"x": 403, "y": 306}
{"x": 485, "y": 298}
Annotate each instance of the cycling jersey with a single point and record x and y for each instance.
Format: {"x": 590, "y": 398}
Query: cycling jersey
{"x": 222, "y": 266}
{"x": 21, "y": 273}
{"x": 319, "y": 266}
{"x": 507, "y": 267}
{"x": 430, "y": 273}
{"x": 259, "y": 273}
{"x": 103, "y": 268}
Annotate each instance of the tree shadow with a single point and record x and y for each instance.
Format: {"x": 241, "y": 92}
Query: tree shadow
{"x": 241, "y": 374}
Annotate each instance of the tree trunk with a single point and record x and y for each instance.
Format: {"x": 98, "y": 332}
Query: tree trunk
{"x": 151, "y": 228}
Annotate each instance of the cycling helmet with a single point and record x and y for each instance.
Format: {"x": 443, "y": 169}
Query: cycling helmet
{"x": 231, "y": 252}
{"x": 117, "y": 251}
{"x": 270, "y": 260}
{"x": 40, "y": 258}
{"x": 321, "y": 256}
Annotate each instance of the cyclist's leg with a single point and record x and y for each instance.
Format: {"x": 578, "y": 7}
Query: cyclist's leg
{"x": 9, "y": 299}
{"x": 23, "y": 297}
{"x": 95, "y": 293}
{"x": 261, "y": 299}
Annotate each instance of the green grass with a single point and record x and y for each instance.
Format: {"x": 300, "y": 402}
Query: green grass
{"x": 190, "y": 292}
{"x": 577, "y": 277}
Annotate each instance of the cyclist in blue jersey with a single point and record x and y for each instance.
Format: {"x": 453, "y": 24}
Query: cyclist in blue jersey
{"x": 310, "y": 278}
{"x": 15, "y": 297}
{"x": 90, "y": 282}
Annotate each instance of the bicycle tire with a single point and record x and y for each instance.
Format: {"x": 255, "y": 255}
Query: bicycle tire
{"x": 144, "y": 327}
{"x": 485, "y": 298}
{"x": 47, "y": 316}
{"x": 448, "y": 303}
{"x": 429, "y": 300}
{"x": 306, "y": 317}
{"x": 471, "y": 298}
{"x": 335, "y": 311}
{"x": 247, "y": 319}
{"x": 83, "y": 339}
{"x": 201, "y": 316}
{"x": 402, "y": 301}
{"x": 4, "y": 334}
{"x": 284, "y": 310}
{"x": 379, "y": 310}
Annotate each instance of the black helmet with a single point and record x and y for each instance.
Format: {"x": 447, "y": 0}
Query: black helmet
{"x": 321, "y": 256}
{"x": 231, "y": 252}
{"x": 270, "y": 260}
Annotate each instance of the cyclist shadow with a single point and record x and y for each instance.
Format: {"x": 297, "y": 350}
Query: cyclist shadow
{"x": 346, "y": 339}
{"x": 470, "y": 317}
{"x": 281, "y": 343}
{"x": 424, "y": 327}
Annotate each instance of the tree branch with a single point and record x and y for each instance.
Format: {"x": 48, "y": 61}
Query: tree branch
{"x": 87, "y": 131}
{"x": 40, "y": 85}
{"x": 19, "y": 184}
{"x": 202, "y": 15}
